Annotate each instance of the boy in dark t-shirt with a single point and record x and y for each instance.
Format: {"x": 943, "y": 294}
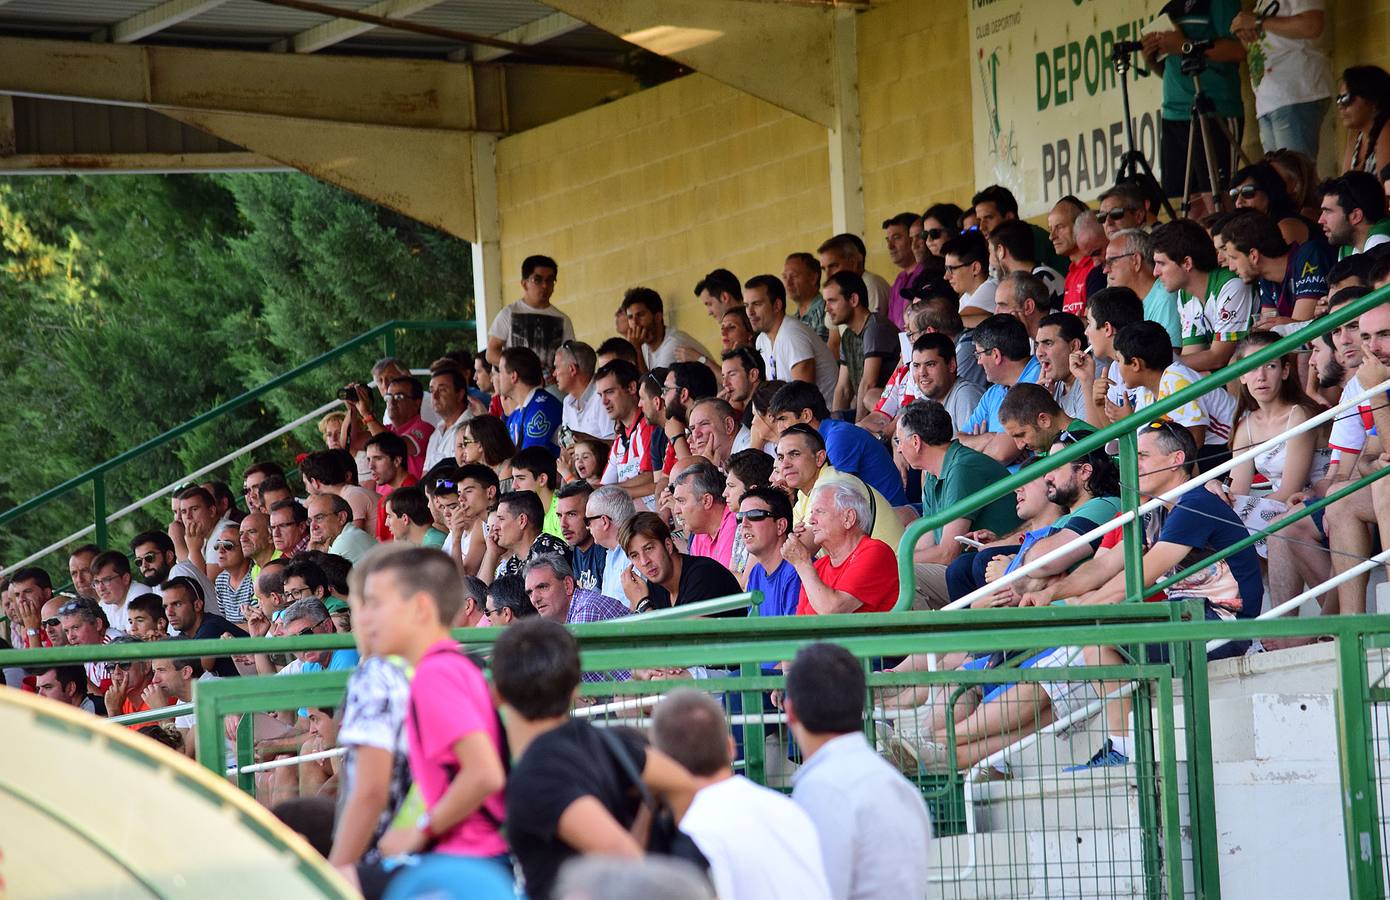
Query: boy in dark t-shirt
{"x": 567, "y": 794}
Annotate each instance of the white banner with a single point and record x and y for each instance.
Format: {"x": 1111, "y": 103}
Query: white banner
{"x": 1048, "y": 114}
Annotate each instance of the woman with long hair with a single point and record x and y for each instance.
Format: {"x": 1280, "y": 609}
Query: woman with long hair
{"x": 1260, "y": 187}
{"x": 484, "y": 439}
{"x": 1363, "y": 101}
{"x": 1271, "y": 402}
{"x": 1300, "y": 176}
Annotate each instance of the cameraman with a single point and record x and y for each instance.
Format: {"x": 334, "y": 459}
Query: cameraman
{"x": 1197, "y": 22}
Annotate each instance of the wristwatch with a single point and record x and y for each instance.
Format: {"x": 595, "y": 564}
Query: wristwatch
{"x": 422, "y": 825}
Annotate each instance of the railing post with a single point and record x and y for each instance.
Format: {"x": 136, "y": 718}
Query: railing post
{"x": 389, "y": 339}
{"x": 99, "y": 508}
{"x": 1360, "y": 806}
{"x": 1134, "y": 530}
{"x": 1190, "y": 663}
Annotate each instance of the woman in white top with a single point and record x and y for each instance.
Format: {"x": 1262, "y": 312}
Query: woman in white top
{"x": 1271, "y": 402}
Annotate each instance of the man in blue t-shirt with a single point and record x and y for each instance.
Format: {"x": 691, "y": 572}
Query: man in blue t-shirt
{"x": 1003, "y": 350}
{"x": 537, "y": 413}
{"x": 850, "y": 449}
{"x": 1196, "y": 525}
{"x": 1292, "y": 278}
{"x": 764, "y": 521}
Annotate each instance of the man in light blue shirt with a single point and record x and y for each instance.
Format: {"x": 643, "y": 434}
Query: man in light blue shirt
{"x": 1003, "y": 350}
{"x": 608, "y": 509}
{"x": 1129, "y": 262}
{"x": 875, "y": 831}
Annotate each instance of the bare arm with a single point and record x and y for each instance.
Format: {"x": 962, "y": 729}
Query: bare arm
{"x": 665, "y": 778}
{"x": 371, "y": 791}
{"x": 868, "y": 386}
{"x": 823, "y": 599}
{"x": 1160, "y": 558}
{"x": 843, "y": 391}
{"x": 588, "y": 827}
{"x": 494, "y": 350}
{"x": 1211, "y": 358}
{"x": 805, "y": 371}
{"x": 1087, "y": 577}
{"x": 945, "y": 551}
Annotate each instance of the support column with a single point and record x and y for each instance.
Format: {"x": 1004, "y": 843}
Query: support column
{"x": 846, "y": 164}
{"x": 487, "y": 247}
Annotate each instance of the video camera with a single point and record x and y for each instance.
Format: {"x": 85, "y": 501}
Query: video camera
{"x": 1194, "y": 57}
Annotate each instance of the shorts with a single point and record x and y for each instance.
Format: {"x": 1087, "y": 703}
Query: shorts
{"x": 1173, "y": 154}
{"x": 1067, "y": 697}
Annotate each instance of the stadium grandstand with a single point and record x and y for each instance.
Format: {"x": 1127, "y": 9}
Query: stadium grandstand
{"x": 894, "y": 449}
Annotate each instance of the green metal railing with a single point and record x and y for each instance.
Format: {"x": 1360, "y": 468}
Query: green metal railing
{"x": 1126, "y": 433}
{"x": 97, "y": 475}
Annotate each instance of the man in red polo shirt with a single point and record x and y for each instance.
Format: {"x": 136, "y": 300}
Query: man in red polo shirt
{"x": 387, "y": 454}
{"x": 856, "y": 573}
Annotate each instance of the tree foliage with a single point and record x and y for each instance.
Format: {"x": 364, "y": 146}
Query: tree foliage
{"x": 133, "y": 303}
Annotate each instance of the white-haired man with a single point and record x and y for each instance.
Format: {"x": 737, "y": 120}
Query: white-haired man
{"x": 857, "y": 573}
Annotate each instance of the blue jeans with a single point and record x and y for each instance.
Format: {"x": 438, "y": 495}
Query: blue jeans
{"x": 966, "y": 573}
{"x": 1294, "y": 127}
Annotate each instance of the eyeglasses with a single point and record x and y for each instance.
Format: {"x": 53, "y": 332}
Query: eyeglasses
{"x": 1345, "y": 100}
{"x": 300, "y": 593}
{"x": 589, "y": 520}
{"x": 103, "y": 582}
{"x": 1118, "y": 213}
{"x": 303, "y": 631}
{"x": 541, "y": 279}
{"x": 1245, "y": 191}
{"x": 951, "y": 268}
{"x": 489, "y": 613}
{"x": 147, "y": 558}
{"x": 224, "y": 545}
{"x": 1111, "y": 260}
{"x": 753, "y": 515}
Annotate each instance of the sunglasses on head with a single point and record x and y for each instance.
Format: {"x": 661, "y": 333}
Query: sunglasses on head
{"x": 753, "y": 515}
{"x": 1245, "y": 191}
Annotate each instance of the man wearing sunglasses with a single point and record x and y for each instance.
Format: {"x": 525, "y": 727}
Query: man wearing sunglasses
{"x": 154, "y": 554}
{"x": 765, "y": 520}
{"x": 1121, "y": 207}
{"x": 129, "y": 679}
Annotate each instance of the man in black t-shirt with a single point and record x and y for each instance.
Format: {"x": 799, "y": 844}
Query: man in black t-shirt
{"x": 567, "y": 794}
{"x": 183, "y": 606}
{"x": 659, "y": 576}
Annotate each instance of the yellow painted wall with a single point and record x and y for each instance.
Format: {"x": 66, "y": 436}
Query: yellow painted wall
{"x": 914, "y": 107}
{"x": 657, "y": 189}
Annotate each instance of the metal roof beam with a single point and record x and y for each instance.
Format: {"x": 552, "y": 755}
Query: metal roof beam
{"x": 538, "y": 32}
{"x": 142, "y": 25}
{"x": 338, "y": 30}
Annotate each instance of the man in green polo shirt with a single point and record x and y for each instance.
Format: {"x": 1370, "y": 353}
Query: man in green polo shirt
{"x": 950, "y": 472}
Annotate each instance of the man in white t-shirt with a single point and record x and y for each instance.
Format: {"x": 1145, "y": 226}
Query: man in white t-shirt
{"x": 758, "y": 842}
{"x": 583, "y": 412}
{"x": 792, "y": 351}
{"x": 646, "y": 330}
{"x": 531, "y": 321}
{"x": 1289, "y": 71}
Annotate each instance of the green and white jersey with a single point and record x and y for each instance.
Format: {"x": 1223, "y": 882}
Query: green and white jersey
{"x": 1379, "y": 234}
{"x": 1227, "y": 313}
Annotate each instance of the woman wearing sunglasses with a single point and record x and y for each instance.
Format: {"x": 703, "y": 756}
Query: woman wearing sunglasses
{"x": 1363, "y": 102}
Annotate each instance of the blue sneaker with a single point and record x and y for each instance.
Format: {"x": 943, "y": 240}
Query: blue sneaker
{"x": 1107, "y": 755}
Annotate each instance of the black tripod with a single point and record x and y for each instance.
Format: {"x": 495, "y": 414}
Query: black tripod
{"x": 1133, "y": 164}
{"x": 1201, "y": 119}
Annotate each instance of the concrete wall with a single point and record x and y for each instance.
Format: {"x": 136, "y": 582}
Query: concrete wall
{"x": 914, "y": 105}
{"x": 657, "y": 189}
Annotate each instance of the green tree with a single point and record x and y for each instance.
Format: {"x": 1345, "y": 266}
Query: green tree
{"x": 135, "y": 303}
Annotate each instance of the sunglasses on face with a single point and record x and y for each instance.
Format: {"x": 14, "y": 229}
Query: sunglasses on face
{"x": 398, "y": 397}
{"x": 148, "y": 558}
{"x": 589, "y": 520}
{"x": 1246, "y": 191}
{"x": 933, "y": 234}
{"x": 224, "y": 545}
{"x": 51, "y": 623}
{"x": 753, "y": 515}
{"x": 1118, "y": 213}
{"x": 1345, "y": 100}
{"x": 124, "y": 666}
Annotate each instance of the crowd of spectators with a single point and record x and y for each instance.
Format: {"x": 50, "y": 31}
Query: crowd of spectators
{"x": 546, "y": 481}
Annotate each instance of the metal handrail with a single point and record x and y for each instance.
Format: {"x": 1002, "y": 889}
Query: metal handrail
{"x": 1126, "y": 430}
{"x": 169, "y": 488}
{"x": 96, "y": 474}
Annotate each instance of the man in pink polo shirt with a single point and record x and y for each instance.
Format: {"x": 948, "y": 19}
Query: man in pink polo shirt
{"x": 698, "y": 495}
{"x": 404, "y": 397}
{"x": 410, "y": 598}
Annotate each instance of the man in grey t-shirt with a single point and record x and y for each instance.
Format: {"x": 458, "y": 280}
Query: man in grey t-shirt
{"x": 868, "y": 345}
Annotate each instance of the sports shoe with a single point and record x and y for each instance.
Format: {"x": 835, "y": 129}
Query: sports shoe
{"x": 1107, "y": 755}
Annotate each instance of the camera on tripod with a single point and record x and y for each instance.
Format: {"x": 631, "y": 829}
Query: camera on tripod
{"x": 1121, "y": 52}
{"x": 1194, "y": 57}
